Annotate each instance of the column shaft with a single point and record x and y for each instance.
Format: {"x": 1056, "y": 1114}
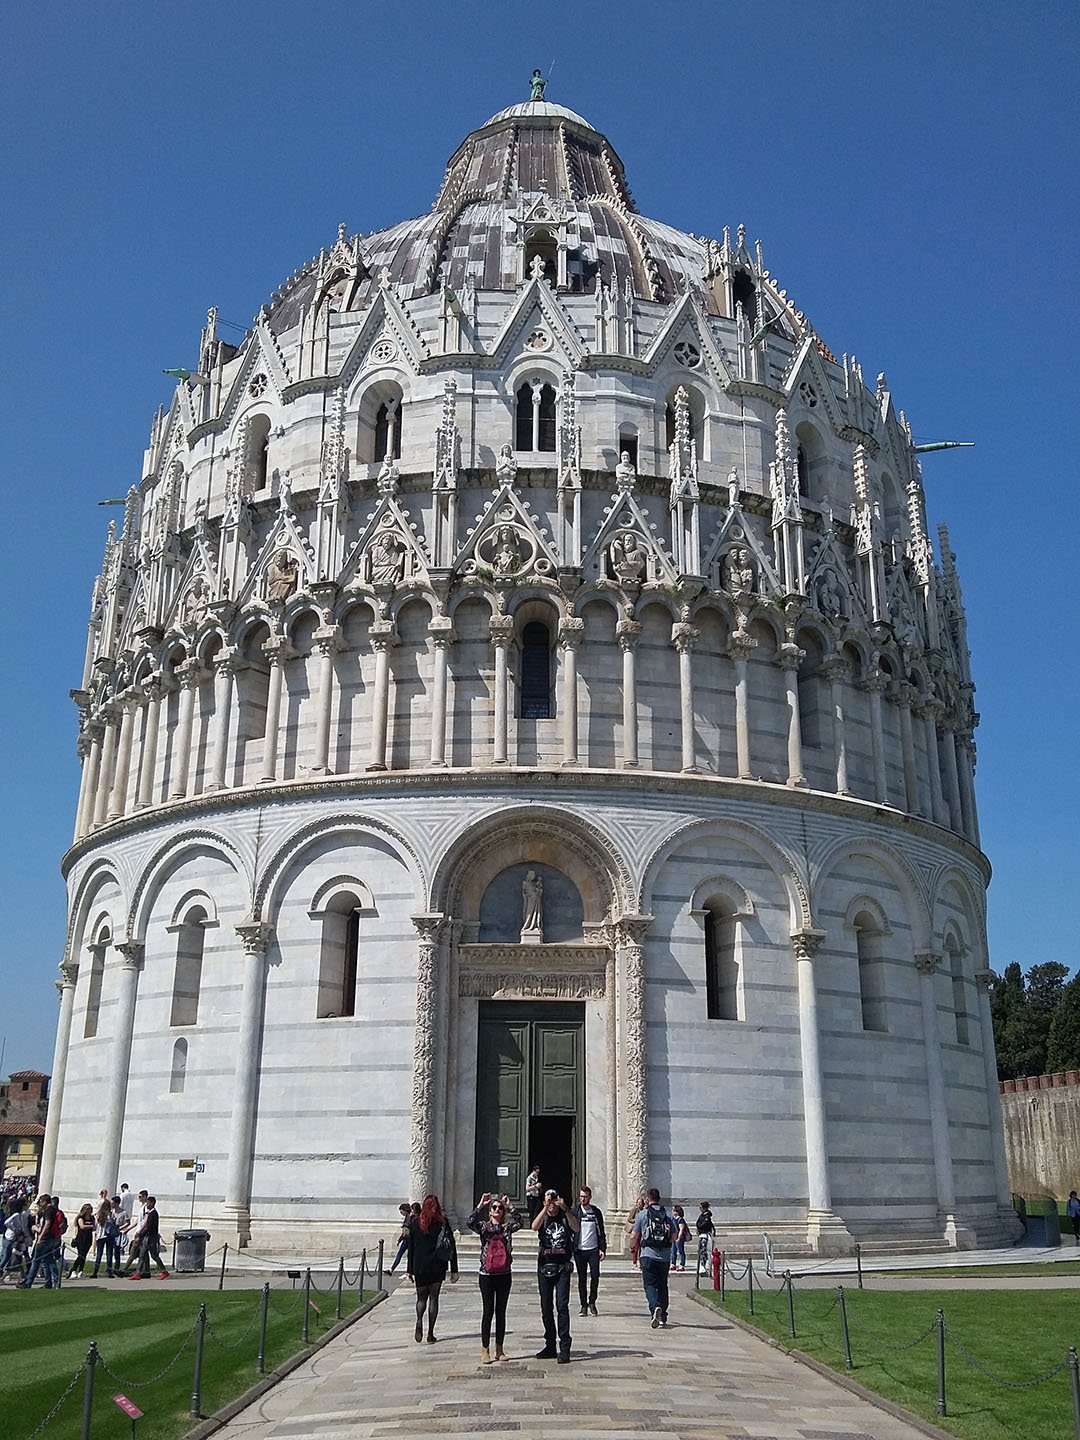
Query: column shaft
{"x": 983, "y": 980}
{"x": 683, "y": 637}
{"x": 224, "y": 670}
{"x": 817, "y": 1148}
{"x": 502, "y": 629}
{"x": 425, "y": 1048}
{"x": 635, "y": 1126}
{"x": 742, "y": 719}
{"x": 120, "y": 1065}
{"x": 181, "y": 776}
{"x": 877, "y": 741}
{"x": 324, "y": 703}
{"x": 935, "y": 1084}
{"x": 105, "y": 773}
{"x": 790, "y": 658}
{"x": 88, "y": 797}
{"x": 69, "y": 974}
{"x": 271, "y": 738}
{"x": 628, "y": 633}
{"x": 118, "y": 798}
{"x": 255, "y": 937}
{"x": 967, "y": 788}
{"x": 938, "y": 812}
{"x": 438, "y": 708}
{"x": 907, "y": 747}
{"x": 148, "y": 757}
{"x": 839, "y": 735}
{"x": 382, "y": 637}
{"x": 952, "y": 780}
{"x": 569, "y": 639}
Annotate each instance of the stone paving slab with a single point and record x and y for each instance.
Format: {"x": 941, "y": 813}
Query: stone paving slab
{"x": 700, "y": 1379}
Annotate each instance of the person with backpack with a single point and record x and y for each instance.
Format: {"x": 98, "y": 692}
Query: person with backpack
{"x": 48, "y": 1238}
{"x": 655, "y": 1230}
{"x": 432, "y": 1252}
{"x": 555, "y": 1226}
{"x": 495, "y": 1221}
{"x": 18, "y": 1237}
{"x": 705, "y": 1232}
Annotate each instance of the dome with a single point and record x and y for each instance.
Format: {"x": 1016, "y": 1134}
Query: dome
{"x": 543, "y": 109}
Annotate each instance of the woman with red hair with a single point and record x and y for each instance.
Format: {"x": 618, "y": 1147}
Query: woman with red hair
{"x": 432, "y": 1251}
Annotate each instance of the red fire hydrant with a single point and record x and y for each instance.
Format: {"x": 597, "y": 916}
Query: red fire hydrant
{"x": 715, "y": 1269}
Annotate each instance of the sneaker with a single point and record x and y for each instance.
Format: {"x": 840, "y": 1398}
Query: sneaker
{"x": 431, "y": 1339}
{"x": 656, "y": 1318}
{"x": 136, "y": 1276}
{"x": 592, "y": 1309}
{"x": 563, "y": 1358}
{"x": 546, "y": 1354}
{"x": 584, "y": 1310}
{"x": 163, "y": 1275}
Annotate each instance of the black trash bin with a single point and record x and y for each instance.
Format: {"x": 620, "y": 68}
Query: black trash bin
{"x": 190, "y": 1250}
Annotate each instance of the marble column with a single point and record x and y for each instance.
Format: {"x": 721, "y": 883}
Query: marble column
{"x": 826, "y": 1232}
{"x": 255, "y": 937}
{"x": 837, "y": 672}
{"x": 425, "y": 1049}
{"x": 571, "y": 634}
{"x": 635, "y": 1092}
{"x": 628, "y": 633}
{"x": 69, "y": 974}
{"x": 118, "y": 797}
{"x": 905, "y": 694}
{"x": 91, "y": 743}
{"x": 502, "y": 634}
{"x": 983, "y": 981}
{"x": 928, "y": 714}
{"x": 442, "y": 636}
{"x": 789, "y": 658}
{"x": 120, "y": 1063}
{"x": 940, "y": 1138}
{"x": 153, "y": 689}
{"x": 226, "y": 665}
{"x": 874, "y": 685}
{"x": 111, "y": 718}
{"x": 189, "y": 674}
{"x": 276, "y": 652}
{"x": 951, "y": 779}
{"x": 326, "y": 641}
{"x": 683, "y": 636}
{"x": 966, "y": 768}
{"x": 383, "y": 635}
{"x": 741, "y": 646}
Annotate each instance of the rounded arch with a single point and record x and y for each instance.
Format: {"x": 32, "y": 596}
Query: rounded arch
{"x": 471, "y": 592}
{"x": 662, "y": 599}
{"x": 157, "y": 871}
{"x": 867, "y": 905}
{"x": 908, "y": 881}
{"x": 536, "y": 602}
{"x": 99, "y": 874}
{"x": 331, "y": 894}
{"x": 532, "y": 832}
{"x": 267, "y": 889}
{"x": 191, "y": 899}
{"x": 782, "y": 864}
{"x": 378, "y": 409}
{"x": 719, "y": 605}
{"x": 723, "y": 887}
{"x": 971, "y": 901}
{"x": 597, "y": 591}
{"x": 410, "y": 593}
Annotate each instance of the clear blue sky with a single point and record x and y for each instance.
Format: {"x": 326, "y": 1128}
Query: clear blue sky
{"x": 910, "y": 169}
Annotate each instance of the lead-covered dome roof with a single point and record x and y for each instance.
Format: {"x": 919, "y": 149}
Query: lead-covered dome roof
{"x": 494, "y": 182}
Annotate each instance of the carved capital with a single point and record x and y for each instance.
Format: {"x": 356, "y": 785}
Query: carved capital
{"x": 683, "y": 636}
{"x": 327, "y": 639}
{"x": 229, "y": 661}
{"x": 254, "y": 936}
{"x": 132, "y": 953}
{"x": 189, "y": 673}
{"x": 984, "y": 980}
{"x": 502, "y": 630}
{"x": 441, "y": 630}
{"x": 927, "y": 962}
{"x": 836, "y": 671}
{"x": 628, "y": 633}
{"x": 632, "y": 929}
{"x": 806, "y": 943}
{"x": 874, "y": 683}
{"x": 571, "y": 633}
{"x": 742, "y": 645}
{"x": 69, "y": 974}
{"x": 905, "y": 694}
{"x": 932, "y": 710}
{"x": 153, "y": 687}
{"x": 429, "y": 927}
{"x": 790, "y": 657}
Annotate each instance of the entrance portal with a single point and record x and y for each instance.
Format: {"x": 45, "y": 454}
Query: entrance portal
{"x": 530, "y": 1088}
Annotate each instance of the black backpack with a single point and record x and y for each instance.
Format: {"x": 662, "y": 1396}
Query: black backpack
{"x": 656, "y": 1231}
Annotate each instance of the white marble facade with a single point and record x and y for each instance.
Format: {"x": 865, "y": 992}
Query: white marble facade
{"x": 530, "y": 534}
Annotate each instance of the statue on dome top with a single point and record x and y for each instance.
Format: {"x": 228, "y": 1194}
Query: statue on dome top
{"x": 538, "y": 84}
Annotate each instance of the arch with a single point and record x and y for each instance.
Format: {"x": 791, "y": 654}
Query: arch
{"x": 971, "y": 901}
{"x": 812, "y": 461}
{"x": 189, "y": 899}
{"x": 379, "y": 422}
{"x": 326, "y": 897}
{"x": 100, "y": 873}
{"x": 187, "y": 972}
{"x": 535, "y": 421}
{"x": 266, "y": 896}
{"x": 628, "y": 441}
{"x": 344, "y": 901}
{"x": 164, "y": 860}
{"x": 907, "y": 879}
{"x": 597, "y": 592}
{"x": 541, "y": 243}
{"x": 409, "y": 593}
{"x": 178, "y": 1068}
{"x": 870, "y": 958}
{"x": 471, "y": 592}
{"x": 868, "y": 905}
{"x": 102, "y": 938}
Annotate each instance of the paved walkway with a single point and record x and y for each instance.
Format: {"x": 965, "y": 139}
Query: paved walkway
{"x": 701, "y": 1378}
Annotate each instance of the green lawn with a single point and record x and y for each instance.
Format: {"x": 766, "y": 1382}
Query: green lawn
{"x": 44, "y": 1337}
{"x": 1001, "y": 1272}
{"x": 1015, "y": 1335}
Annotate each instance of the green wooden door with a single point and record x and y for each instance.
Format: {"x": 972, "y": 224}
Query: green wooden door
{"x": 530, "y": 1082}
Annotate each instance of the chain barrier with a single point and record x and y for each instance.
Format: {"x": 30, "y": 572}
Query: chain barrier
{"x": 142, "y": 1384}
{"x": 51, "y": 1416}
{"x": 887, "y": 1345}
{"x": 997, "y": 1380}
{"x": 740, "y": 1275}
{"x": 235, "y": 1345}
{"x": 288, "y": 1308}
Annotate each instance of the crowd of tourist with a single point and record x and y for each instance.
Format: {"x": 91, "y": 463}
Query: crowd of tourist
{"x": 123, "y": 1231}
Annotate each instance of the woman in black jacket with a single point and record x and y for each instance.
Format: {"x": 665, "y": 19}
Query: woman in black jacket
{"x": 432, "y": 1251}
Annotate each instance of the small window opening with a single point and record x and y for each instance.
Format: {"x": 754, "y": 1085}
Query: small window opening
{"x": 535, "y": 671}
{"x": 258, "y": 452}
{"x": 744, "y": 293}
{"x": 628, "y": 443}
{"x": 534, "y": 427}
{"x": 187, "y": 977}
{"x": 956, "y": 972}
{"x": 721, "y": 964}
{"x": 178, "y": 1072}
{"x": 339, "y": 960}
{"x": 543, "y": 244}
{"x": 869, "y": 944}
{"x": 802, "y": 466}
{"x": 388, "y": 431}
{"x": 97, "y": 978}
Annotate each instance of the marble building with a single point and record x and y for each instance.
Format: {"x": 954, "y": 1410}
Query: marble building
{"x": 526, "y": 718}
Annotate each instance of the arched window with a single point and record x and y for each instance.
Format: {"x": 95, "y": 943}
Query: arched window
{"x": 535, "y": 671}
{"x": 97, "y": 978}
{"x": 814, "y": 696}
{"x": 178, "y": 1072}
{"x": 628, "y": 441}
{"x": 959, "y": 993}
{"x": 534, "y": 424}
{"x": 187, "y": 976}
{"x": 723, "y": 988}
{"x": 339, "y": 957}
{"x": 388, "y": 430}
{"x": 802, "y": 469}
{"x": 744, "y": 293}
{"x": 258, "y": 449}
{"x": 543, "y": 244}
{"x": 869, "y": 944}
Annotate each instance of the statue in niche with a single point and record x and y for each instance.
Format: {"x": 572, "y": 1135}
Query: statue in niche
{"x": 830, "y": 596}
{"x": 628, "y": 560}
{"x": 506, "y": 466}
{"x": 532, "y": 909}
{"x": 733, "y": 489}
{"x": 387, "y": 559}
{"x": 282, "y": 575}
{"x": 738, "y": 570}
{"x": 625, "y": 473}
{"x": 196, "y": 602}
{"x": 507, "y": 552}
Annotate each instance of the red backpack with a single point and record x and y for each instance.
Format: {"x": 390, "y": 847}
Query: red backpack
{"x": 59, "y": 1224}
{"x": 497, "y": 1254}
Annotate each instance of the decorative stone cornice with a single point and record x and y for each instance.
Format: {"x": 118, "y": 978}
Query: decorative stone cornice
{"x": 532, "y": 985}
{"x": 528, "y": 957}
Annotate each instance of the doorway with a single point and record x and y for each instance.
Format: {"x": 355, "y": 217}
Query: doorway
{"x": 529, "y": 1096}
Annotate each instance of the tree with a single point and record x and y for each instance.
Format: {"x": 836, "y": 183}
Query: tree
{"x": 1063, "y": 1044}
{"x": 1023, "y": 1011}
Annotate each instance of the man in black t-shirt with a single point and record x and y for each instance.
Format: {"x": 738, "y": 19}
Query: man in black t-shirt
{"x": 150, "y": 1243}
{"x": 46, "y": 1246}
{"x": 556, "y": 1226}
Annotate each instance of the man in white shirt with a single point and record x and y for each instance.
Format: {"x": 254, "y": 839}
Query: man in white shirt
{"x": 591, "y": 1248}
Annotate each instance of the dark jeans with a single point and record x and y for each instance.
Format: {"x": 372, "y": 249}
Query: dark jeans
{"x": 495, "y": 1290}
{"x": 46, "y": 1258}
{"x": 555, "y": 1305}
{"x": 111, "y": 1250}
{"x": 587, "y": 1262}
{"x": 150, "y": 1247}
{"x": 400, "y": 1252}
{"x": 427, "y": 1298}
{"x": 654, "y": 1276}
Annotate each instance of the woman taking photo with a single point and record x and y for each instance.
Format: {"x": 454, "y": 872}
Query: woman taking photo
{"x": 494, "y": 1220}
{"x": 432, "y": 1252}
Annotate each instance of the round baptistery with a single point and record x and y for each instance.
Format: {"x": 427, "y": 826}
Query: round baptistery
{"x": 526, "y": 721}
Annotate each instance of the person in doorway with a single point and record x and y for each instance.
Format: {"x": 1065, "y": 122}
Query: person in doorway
{"x": 534, "y": 1192}
{"x": 495, "y": 1221}
{"x": 555, "y": 1226}
{"x": 591, "y": 1249}
{"x": 655, "y": 1231}
{"x": 85, "y": 1226}
{"x": 1072, "y": 1210}
{"x": 682, "y": 1235}
{"x": 432, "y": 1252}
{"x": 150, "y": 1244}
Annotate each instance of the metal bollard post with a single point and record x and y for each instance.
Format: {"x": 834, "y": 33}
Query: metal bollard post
{"x": 939, "y": 1321}
{"x": 196, "y": 1384}
{"x": 858, "y": 1263}
{"x": 750, "y": 1285}
{"x": 360, "y": 1277}
{"x": 340, "y": 1283}
{"x": 379, "y": 1270}
{"x": 723, "y": 1275}
{"x": 790, "y": 1303}
{"x": 849, "y": 1364}
{"x": 260, "y": 1363}
{"x": 307, "y": 1304}
{"x": 1074, "y": 1382}
{"x": 88, "y": 1392}
{"x": 224, "y": 1257}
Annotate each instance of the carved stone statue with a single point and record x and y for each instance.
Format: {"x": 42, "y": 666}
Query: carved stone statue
{"x": 537, "y": 85}
{"x": 738, "y": 570}
{"x": 628, "y": 559}
{"x": 507, "y": 552}
{"x": 387, "y": 559}
{"x": 282, "y": 575}
{"x": 532, "y": 909}
{"x": 733, "y": 489}
{"x": 196, "y": 602}
{"x": 506, "y": 466}
{"x": 625, "y": 473}
{"x": 830, "y": 596}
